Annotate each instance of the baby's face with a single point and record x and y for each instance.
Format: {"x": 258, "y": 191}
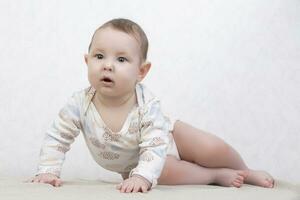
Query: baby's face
{"x": 113, "y": 62}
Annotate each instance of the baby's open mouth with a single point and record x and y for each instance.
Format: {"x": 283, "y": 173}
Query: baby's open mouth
{"x": 107, "y": 80}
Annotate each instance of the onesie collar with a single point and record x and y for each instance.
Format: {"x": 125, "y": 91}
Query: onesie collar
{"x": 90, "y": 93}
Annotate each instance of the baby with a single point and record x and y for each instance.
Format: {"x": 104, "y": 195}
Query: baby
{"x": 126, "y": 131}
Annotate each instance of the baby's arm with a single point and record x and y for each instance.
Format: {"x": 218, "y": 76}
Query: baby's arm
{"x": 154, "y": 133}
{"x": 57, "y": 142}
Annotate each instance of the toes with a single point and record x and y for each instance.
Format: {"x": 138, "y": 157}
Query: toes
{"x": 237, "y": 184}
{"x": 273, "y": 183}
{"x": 266, "y": 184}
{"x": 270, "y": 180}
{"x": 240, "y": 178}
{"x": 240, "y": 181}
{"x": 270, "y": 183}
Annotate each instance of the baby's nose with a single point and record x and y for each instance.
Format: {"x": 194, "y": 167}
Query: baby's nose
{"x": 108, "y": 67}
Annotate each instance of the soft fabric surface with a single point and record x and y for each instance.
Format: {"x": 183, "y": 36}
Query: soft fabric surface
{"x": 15, "y": 188}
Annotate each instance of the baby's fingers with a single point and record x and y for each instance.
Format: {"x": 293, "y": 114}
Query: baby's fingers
{"x": 126, "y": 187}
{"x": 136, "y": 188}
{"x": 129, "y": 188}
{"x": 144, "y": 189}
{"x": 43, "y": 181}
{"x": 35, "y": 180}
{"x": 56, "y": 183}
{"x": 123, "y": 187}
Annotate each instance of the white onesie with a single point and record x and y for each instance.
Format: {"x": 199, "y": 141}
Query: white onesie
{"x": 139, "y": 148}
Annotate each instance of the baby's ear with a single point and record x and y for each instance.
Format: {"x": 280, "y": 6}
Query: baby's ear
{"x": 143, "y": 70}
{"x": 86, "y": 58}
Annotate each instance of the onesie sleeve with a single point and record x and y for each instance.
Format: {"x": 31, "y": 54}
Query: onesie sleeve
{"x": 154, "y": 141}
{"x": 59, "y": 137}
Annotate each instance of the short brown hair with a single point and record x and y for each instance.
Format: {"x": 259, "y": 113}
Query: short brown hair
{"x": 129, "y": 27}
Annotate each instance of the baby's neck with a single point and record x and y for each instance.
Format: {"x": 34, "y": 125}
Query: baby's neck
{"x": 116, "y": 102}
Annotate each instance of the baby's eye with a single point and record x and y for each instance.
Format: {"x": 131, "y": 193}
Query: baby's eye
{"x": 99, "y": 56}
{"x": 122, "y": 59}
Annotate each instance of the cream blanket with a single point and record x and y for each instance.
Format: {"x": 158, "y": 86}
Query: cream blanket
{"x": 16, "y": 189}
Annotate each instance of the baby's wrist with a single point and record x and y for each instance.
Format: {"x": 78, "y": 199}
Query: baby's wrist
{"x": 148, "y": 183}
{"x": 47, "y": 174}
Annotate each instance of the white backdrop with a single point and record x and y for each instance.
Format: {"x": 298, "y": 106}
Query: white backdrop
{"x": 229, "y": 67}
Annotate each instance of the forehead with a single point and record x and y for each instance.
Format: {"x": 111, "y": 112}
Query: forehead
{"x": 112, "y": 39}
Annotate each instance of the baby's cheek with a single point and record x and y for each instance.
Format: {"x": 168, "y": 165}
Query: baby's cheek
{"x": 92, "y": 78}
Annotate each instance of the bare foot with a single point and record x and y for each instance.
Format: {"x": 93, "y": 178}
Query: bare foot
{"x": 259, "y": 178}
{"x": 229, "y": 177}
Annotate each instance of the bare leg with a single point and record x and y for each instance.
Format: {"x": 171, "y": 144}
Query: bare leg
{"x": 209, "y": 151}
{"x": 178, "y": 172}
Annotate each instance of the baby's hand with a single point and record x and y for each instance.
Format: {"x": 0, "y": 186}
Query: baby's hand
{"x": 47, "y": 178}
{"x": 134, "y": 184}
